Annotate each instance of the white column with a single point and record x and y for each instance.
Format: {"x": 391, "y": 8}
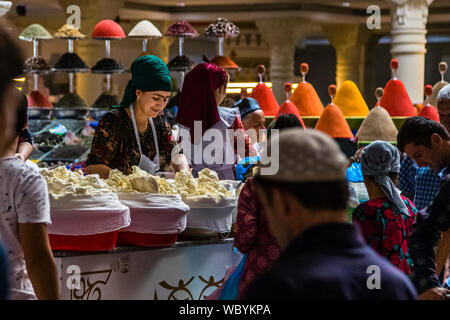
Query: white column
{"x": 282, "y": 35}
{"x": 409, "y": 19}
{"x": 349, "y": 41}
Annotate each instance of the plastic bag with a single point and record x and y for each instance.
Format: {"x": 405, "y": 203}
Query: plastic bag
{"x": 229, "y": 289}
{"x": 231, "y": 286}
{"x": 244, "y": 166}
{"x": 354, "y": 173}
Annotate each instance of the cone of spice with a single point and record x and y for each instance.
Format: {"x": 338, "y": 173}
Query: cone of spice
{"x": 70, "y": 62}
{"x": 181, "y": 28}
{"x": 68, "y": 31}
{"x": 37, "y": 99}
{"x": 108, "y": 30}
{"x": 305, "y": 96}
{"x": 288, "y": 107}
{"x": 221, "y": 28}
{"x": 36, "y": 65}
{"x": 428, "y": 111}
{"x": 35, "y": 32}
{"x": 144, "y": 30}
{"x": 395, "y": 98}
{"x": 378, "y": 124}
{"x": 350, "y": 100}
{"x": 107, "y": 65}
{"x": 225, "y": 62}
{"x": 105, "y": 101}
{"x": 180, "y": 63}
{"x": 264, "y": 95}
{"x": 71, "y": 100}
{"x": 333, "y": 123}
{"x": 439, "y": 85}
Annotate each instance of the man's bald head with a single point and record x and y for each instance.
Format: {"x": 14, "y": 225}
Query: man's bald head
{"x": 256, "y": 121}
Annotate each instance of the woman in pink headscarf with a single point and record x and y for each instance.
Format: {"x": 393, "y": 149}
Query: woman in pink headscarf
{"x": 204, "y": 89}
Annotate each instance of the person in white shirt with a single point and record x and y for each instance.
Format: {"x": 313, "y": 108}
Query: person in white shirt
{"x": 24, "y": 215}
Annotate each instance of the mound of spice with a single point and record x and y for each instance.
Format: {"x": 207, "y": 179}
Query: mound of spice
{"x": 107, "y": 65}
{"x": 67, "y": 152}
{"x": 222, "y": 28}
{"x": 70, "y": 61}
{"x": 181, "y": 28}
{"x": 68, "y": 31}
{"x": 35, "y": 31}
{"x": 71, "y": 100}
{"x": 105, "y": 101}
{"x": 180, "y": 63}
{"x": 34, "y": 64}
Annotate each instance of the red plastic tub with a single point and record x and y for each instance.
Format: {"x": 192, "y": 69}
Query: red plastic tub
{"x": 146, "y": 239}
{"x": 95, "y": 242}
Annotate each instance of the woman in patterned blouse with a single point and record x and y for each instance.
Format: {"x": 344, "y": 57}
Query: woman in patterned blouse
{"x": 115, "y": 144}
{"x": 387, "y": 219}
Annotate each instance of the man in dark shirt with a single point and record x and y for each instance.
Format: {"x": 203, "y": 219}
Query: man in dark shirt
{"x": 428, "y": 143}
{"x": 324, "y": 256}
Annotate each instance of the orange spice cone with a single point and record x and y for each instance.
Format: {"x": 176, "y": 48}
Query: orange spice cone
{"x": 332, "y": 122}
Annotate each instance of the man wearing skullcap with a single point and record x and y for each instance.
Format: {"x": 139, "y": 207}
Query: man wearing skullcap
{"x": 428, "y": 144}
{"x": 323, "y": 256}
{"x": 252, "y": 118}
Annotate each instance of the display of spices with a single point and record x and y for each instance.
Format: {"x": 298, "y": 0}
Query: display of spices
{"x": 71, "y": 100}
{"x": 108, "y": 29}
{"x": 222, "y": 28}
{"x": 70, "y": 61}
{"x": 34, "y": 64}
{"x": 107, "y": 65}
{"x": 47, "y": 138}
{"x": 68, "y": 31}
{"x": 35, "y": 31}
{"x": 37, "y": 99}
{"x": 67, "y": 153}
{"x": 181, "y": 28}
{"x": 180, "y": 63}
{"x": 144, "y": 29}
{"x": 105, "y": 101}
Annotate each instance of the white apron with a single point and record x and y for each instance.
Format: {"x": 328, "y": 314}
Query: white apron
{"x": 224, "y": 170}
{"x": 145, "y": 163}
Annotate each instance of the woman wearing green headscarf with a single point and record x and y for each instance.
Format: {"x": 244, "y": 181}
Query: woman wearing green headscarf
{"x": 136, "y": 133}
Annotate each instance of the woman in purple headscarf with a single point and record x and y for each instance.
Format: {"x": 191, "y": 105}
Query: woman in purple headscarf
{"x": 204, "y": 89}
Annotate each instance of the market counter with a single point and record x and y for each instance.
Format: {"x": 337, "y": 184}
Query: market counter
{"x": 185, "y": 270}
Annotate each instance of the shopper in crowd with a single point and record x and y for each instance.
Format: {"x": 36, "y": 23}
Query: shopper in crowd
{"x": 25, "y": 145}
{"x": 387, "y": 219}
{"x": 421, "y": 185}
{"x": 25, "y": 214}
{"x": 252, "y": 235}
{"x": 428, "y": 144}
{"x": 323, "y": 256}
{"x": 204, "y": 88}
{"x": 136, "y": 133}
{"x": 252, "y": 117}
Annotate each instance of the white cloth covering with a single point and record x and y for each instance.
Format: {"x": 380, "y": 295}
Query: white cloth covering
{"x": 155, "y": 213}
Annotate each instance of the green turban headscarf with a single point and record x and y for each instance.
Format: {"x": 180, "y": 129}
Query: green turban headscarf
{"x": 148, "y": 73}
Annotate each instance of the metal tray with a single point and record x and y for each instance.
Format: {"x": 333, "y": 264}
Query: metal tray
{"x": 40, "y": 113}
{"x": 97, "y": 113}
{"x": 71, "y": 113}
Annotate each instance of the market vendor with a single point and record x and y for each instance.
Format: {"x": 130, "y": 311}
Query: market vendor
{"x": 136, "y": 133}
{"x": 204, "y": 89}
